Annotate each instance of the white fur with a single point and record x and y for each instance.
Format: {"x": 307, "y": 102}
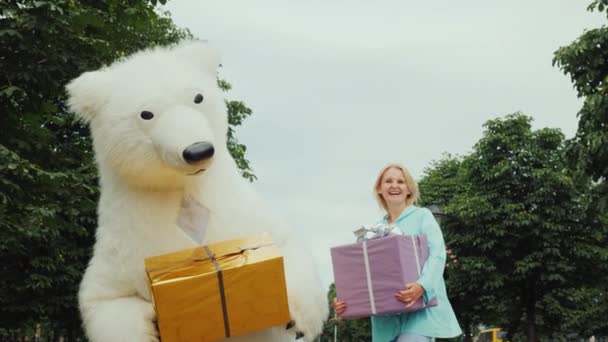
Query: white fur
{"x": 144, "y": 177}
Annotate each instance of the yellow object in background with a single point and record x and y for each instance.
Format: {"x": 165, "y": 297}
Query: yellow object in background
{"x": 492, "y": 335}
{"x": 241, "y": 289}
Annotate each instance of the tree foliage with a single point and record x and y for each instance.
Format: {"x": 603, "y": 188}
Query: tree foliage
{"x": 523, "y": 229}
{"x": 442, "y": 182}
{"x": 586, "y": 61}
{"x": 237, "y": 113}
{"x": 48, "y": 181}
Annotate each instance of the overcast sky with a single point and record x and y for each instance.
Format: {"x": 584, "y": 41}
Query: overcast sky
{"x": 341, "y": 88}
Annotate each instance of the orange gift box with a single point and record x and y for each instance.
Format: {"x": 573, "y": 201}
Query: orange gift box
{"x": 224, "y": 289}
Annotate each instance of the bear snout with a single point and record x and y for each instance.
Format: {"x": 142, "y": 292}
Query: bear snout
{"x": 198, "y": 151}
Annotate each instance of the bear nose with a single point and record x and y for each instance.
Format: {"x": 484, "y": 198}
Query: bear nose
{"x": 198, "y": 151}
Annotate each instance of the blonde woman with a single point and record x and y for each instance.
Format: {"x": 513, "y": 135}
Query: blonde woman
{"x": 396, "y": 193}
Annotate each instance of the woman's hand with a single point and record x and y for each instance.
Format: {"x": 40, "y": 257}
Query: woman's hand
{"x": 339, "y": 307}
{"x": 410, "y": 294}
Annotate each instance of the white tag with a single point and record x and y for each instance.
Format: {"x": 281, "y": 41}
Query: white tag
{"x": 193, "y": 219}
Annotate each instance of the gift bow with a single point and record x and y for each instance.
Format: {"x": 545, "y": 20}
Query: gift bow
{"x": 378, "y": 231}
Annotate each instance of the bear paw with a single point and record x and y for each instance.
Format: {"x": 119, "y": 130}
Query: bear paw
{"x": 149, "y": 328}
{"x": 122, "y": 320}
{"x": 307, "y": 320}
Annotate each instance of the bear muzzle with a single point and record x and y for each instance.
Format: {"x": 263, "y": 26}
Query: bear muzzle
{"x": 197, "y": 152}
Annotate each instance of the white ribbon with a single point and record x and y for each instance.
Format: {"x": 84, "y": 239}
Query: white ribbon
{"x": 368, "y": 276}
{"x": 417, "y": 260}
{"x": 378, "y": 231}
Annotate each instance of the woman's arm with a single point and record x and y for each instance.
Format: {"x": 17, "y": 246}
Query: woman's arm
{"x": 432, "y": 271}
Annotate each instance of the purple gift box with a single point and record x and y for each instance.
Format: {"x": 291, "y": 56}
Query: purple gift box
{"x": 368, "y": 274}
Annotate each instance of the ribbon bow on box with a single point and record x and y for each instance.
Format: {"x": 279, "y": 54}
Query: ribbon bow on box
{"x": 379, "y": 230}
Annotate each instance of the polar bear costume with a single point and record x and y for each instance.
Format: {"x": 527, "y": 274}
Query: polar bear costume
{"x": 159, "y": 124}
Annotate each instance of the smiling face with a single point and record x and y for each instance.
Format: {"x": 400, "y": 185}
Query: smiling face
{"x": 393, "y": 187}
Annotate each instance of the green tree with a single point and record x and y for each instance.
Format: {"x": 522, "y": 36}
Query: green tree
{"x": 520, "y": 224}
{"x": 586, "y": 61}
{"x": 48, "y": 181}
{"x": 442, "y": 181}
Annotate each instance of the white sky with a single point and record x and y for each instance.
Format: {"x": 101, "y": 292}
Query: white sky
{"x": 341, "y": 88}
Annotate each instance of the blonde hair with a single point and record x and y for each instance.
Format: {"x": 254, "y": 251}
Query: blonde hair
{"x": 411, "y": 198}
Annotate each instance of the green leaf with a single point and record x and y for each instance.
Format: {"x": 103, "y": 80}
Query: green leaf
{"x": 10, "y": 90}
{"x": 89, "y": 18}
{"x": 131, "y": 11}
{"x": 10, "y": 32}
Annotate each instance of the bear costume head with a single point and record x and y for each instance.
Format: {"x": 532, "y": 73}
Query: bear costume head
{"x": 148, "y": 108}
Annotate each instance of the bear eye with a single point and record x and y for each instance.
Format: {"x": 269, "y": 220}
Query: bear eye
{"x": 146, "y": 115}
{"x": 198, "y": 98}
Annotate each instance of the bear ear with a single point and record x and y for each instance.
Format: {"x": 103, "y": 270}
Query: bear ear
{"x": 87, "y": 94}
{"x": 199, "y": 52}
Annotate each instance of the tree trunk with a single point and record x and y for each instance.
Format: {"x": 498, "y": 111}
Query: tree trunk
{"x": 531, "y": 316}
{"x": 55, "y": 335}
{"x": 467, "y": 332}
{"x": 515, "y": 318}
{"x": 72, "y": 334}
